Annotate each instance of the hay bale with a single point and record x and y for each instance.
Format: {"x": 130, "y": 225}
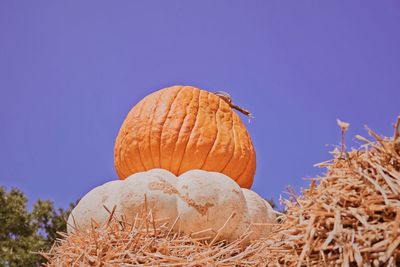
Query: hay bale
{"x": 143, "y": 243}
{"x": 348, "y": 217}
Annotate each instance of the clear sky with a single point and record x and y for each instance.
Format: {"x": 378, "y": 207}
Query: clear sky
{"x": 71, "y": 70}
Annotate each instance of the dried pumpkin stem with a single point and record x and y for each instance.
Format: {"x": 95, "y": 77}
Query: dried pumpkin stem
{"x": 228, "y": 99}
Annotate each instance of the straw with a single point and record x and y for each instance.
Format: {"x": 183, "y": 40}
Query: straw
{"x": 350, "y": 216}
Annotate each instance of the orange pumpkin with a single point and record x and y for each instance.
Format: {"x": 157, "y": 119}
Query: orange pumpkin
{"x": 181, "y": 128}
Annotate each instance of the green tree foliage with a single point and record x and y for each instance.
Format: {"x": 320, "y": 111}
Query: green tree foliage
{"x": 22, "y": 233}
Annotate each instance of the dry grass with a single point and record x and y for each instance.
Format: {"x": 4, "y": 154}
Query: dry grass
{"x": 349, "y": 217}
{"x": 143, "y": 243}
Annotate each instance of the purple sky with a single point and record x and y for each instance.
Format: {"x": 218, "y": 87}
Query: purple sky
{"x": 70, "y": 71}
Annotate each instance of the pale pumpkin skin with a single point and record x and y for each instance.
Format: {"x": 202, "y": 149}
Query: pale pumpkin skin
{"x": 156, "y": 188}
{"x": 91, "y": 206}
{"x": 181, "y": 128}
{"x": 258, "y": 217}
{"x": 195, "y": 201}
{"x": 209, "y": 200}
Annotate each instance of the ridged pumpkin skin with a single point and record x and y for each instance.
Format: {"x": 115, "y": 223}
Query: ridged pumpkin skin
{"x": 181, "y": 128}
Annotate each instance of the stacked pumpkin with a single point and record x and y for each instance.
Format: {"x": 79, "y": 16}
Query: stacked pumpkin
{"x": 186, "y": 155}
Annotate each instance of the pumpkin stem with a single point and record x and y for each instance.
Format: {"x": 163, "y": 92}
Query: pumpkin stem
{"x": 228, "y": 99}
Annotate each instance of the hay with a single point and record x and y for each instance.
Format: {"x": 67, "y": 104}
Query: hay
{"x": 349, "y": 217}
{"x": 143, "y": 243}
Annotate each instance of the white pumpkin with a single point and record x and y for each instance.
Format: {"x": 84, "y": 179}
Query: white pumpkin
{"x": 91, "y": 206}
{"x": 258, "y": 217}
{"x": 157, "y": 187}
{"x": 206, "y": 203}
{"x": 209, "y": 200}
